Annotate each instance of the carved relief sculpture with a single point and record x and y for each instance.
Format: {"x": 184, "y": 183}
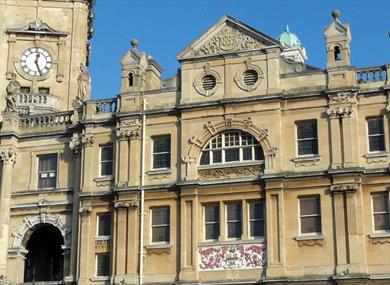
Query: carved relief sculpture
{"x": 8, "y": 155}
{"x": 227, "y": 40}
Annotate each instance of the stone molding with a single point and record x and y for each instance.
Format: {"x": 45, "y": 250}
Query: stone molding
{"x": 8, "y": 155}
{"x": 228, "y": 40}
{"x": 343, "y": 188}
{"x": 126, "y": 204}
{"x": 37, "y": 27}
{"x": 44, "y": 218}
{"x": 129, "y": 134}
{"x": 307, "y": 160}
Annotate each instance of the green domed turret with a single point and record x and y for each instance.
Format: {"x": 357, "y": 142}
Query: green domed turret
{"x": 289, "y": 39}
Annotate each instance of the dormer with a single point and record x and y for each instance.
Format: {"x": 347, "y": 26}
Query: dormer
{"x": 338, "y": 37}
{"x": 140, "y": 72}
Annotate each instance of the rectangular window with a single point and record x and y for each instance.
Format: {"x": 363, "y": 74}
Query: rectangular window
{"x": 307, "y": 137}
{"x": 211, "y": 220}
{"x": 103, "y": 264}
{"x": 25, "y": 89}
{"x": 47, "y": 171}
{"x": 376, "y": 137}
{"x": 161, "y": 152}
{"x": 256, "y": 219}
{"x": 160, "y": 224}
{"x": 106, "y": 159}
{"x": 104, "y": 225}
{"x": 43, "y": 90}
{"x": 310, "y": 214}
{"x": 380, "y": 205}
{"x": 234, "y": 228}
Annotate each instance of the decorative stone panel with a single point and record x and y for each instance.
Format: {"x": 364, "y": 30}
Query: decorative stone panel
{"x": 232, "y": 257}
{"x": 229, "y": 172}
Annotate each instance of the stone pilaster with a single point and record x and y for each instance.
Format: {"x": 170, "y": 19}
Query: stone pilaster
{"x": 87, "y": 141}
{"x": 8, "y": 158}
{"x": 84, "y": 259}
{"x": 125, "y": 242}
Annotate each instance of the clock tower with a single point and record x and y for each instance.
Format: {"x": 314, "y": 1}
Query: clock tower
{"x": 44, "y": 47}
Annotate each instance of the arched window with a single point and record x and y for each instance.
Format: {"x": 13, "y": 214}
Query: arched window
{"x": 131, "y": 79}
{"x": 231, "y": 147}
{"x": 337, "y": 53}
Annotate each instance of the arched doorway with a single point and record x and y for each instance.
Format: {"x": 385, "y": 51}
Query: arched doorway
{"x": 45, "y": 259}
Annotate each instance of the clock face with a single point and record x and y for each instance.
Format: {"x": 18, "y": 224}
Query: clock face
{"x": 36, "y": 61}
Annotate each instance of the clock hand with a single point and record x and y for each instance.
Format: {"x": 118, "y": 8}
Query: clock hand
{"x": 36, "y": 63}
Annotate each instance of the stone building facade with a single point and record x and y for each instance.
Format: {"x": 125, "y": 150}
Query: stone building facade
{"x": 248, "y": 166}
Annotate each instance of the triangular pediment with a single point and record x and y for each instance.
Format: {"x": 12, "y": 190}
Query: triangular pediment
{"x": 37, "y": 27}
{"x": 228, "y": 35}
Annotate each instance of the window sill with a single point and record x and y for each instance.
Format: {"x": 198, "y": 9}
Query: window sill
{"x": 100, "y": 278}
{"x": 103, "y": 180}
{"x": 375, "y": 157}
{"x": 379, "y": 235}
{"x": 159, "y": 171}
{"x": 310, "y": 240}
{"x": 102, "y": 237}
{"x": 307, "y": 160}
{"x": 158, "y": 245}
{"x": 231, "y": 164}
{"x": 227, "y": 242}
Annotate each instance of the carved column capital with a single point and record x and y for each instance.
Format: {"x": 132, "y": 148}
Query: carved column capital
{"x": 341, "y": 97}
{"x": 126, "y": 204}
{"x": 8, "y": 155}
{"x": 344, "y": 188}
{"x": 339, "y": 112}
{"x": 129, "y": 134}
{"x": 85, "y": 210}
{"x": 87, "y": 140}
{"x": 75, "y": 144}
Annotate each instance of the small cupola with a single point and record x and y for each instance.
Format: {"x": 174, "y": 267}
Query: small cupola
{"x": 140, "y": 71}
{"x": 294, "y": 50}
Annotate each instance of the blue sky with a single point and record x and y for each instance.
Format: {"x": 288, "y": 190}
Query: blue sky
{"x": 165, "y": 27}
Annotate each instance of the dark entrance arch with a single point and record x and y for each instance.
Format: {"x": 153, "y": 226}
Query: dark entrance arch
{"x": 45, "y": 259}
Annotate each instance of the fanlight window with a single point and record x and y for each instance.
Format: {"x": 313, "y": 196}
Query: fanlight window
{"x": 231, "y": 147}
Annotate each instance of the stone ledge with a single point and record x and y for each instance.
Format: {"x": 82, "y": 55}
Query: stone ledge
{"x": 375, "y": 157}
{"x": 311, "y": 160}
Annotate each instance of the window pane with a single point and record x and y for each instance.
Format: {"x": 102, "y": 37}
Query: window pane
{"x": 257, "y": 229}
{"x": 162, "y": 160}
{"x": 309, "y": 206}
{"x": 160, "y": 234}
{"x": 162, "y": 144}
{"x": 104, "y": 225}
{"x": 381, "y": 222}
{"x": 47, "y": 162}
{"x": 234, "y": 230}
{"x": 311, "y": 224}
{"x": 247, "y": 153}
{"x": 103, "y": 265}
{"x": 217, "y": 156}
{"x": 380, "y": 202}
{"x": 234, "y": 212}
{"x": 307, "y": 129}
{"x": 211, "y": 213}
{"x": 375, "y": 126}
{"x": 256, "y": 211}
{"x": 205, "y": 158}
{"x": 377, "y": 143}
{"x": 232, "y": 139}
{"x": 232, "y": 155}
{"x": 259, "y": 155}
{"x": 106, "y": 168}
{"x": 47, "y": 171}
{"x": 212, "y": 231}
{"x": 160, "y": 216}
{"x": 307, "y": 147}
{"x": 106, "y": 153}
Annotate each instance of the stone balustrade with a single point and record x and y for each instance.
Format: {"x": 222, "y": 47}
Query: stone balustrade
{"x": 37, "y": 103}
{"x": 46, "y": 120}
{"x": 106, "y": 105}
{"x": 371, "y": 74}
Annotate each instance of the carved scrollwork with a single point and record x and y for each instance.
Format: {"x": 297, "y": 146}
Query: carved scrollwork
{"x": 229, "y": 172}
{"x": 8, "y": 155}
{"x": 87, "y": 140}
{"x": 229, "y": 39}
{"x": 129, "y": 134}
